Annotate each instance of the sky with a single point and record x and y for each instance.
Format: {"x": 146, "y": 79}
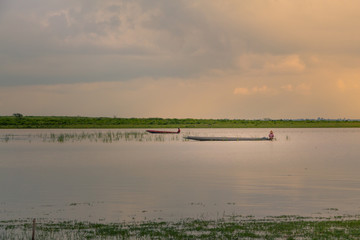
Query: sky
{"x": 249, "y": 59}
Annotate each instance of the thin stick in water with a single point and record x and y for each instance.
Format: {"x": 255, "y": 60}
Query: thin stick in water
{"x": 33, "y": 230}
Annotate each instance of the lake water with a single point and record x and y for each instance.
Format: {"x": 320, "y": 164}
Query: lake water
{"x": 127, "y": 174}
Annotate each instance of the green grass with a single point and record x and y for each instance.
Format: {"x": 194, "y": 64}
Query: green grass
{"x": 103, "y": 122}
{"x": 285, "y": 227}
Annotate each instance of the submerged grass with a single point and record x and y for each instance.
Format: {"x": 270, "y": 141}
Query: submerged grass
{"x": 285, "y": 227}
{"x": 105, "y": 137}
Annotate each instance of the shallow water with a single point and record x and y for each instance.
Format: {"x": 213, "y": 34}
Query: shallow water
{"x": 55, "y": 174}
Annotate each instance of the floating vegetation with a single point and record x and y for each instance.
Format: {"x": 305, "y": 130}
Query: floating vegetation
{"x": 236, "y": 227}
{"x": 332, "y": 209}
{"x": 12, "y": 137}
{"x": 105, "y": 137}
{"x": 77, "y": 204}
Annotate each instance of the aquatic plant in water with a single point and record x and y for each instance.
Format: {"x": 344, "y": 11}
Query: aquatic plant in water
{"x": 234, "y": 227}
{"x": 105, "y": 137}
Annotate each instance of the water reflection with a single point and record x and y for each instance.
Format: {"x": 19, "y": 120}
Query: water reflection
{"x": 144, "y": 176}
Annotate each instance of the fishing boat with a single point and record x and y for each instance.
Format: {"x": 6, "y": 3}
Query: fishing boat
{"x": 163, "y": 132}
{"x": 226, "y": 138}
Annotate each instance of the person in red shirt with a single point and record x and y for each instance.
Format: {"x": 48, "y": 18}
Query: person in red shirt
{"x": 271, "y": 135}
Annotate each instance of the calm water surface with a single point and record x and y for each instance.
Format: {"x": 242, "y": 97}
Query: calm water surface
{"x": 125, "y": 175}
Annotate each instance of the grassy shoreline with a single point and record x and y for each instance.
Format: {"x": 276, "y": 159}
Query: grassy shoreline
{"x": 235, "y": 227}
{"x": 53, "y": 122}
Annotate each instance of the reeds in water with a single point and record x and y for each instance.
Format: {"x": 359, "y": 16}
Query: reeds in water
{"x": 105, "y": 137}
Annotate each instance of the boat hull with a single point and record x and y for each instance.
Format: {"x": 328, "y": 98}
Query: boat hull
{"x": 226, "y": 138}
{"x": 163, "y": 132}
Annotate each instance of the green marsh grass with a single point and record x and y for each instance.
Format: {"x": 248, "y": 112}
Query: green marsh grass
{"x": 104, "y": 122}
{"x": 235, "y": 227}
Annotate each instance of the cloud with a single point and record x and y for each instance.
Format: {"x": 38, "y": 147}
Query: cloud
{"x": 209, "y": 97}
{"x": 130, "y": 39}
{"x": 224, "y": 56}
{"x": 241, "y": 91}
{"x": 288, "y": 87}
{"x": 271, "y": 64}
{"x": 348, "y": 84}
{"x": 169, "y": 38}
{"x": 302, "y": 88}
{"x": 288, "y": 64}
{"x": 254, "y": 90}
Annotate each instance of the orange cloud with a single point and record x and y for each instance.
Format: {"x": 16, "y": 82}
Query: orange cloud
{"x": 348, "y": 85}
{"x": 241, "y": 91}
{"x": 285, "y": 64}
{"x": 288, "y": 87}
{"x": 271, "y": 64}
{"x": 254, "y": 90}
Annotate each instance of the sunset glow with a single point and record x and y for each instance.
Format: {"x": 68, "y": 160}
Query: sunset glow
{"x": 181, "y": 59}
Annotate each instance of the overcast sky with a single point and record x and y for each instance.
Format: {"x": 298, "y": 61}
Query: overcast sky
{"x": 181, "y": 58}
